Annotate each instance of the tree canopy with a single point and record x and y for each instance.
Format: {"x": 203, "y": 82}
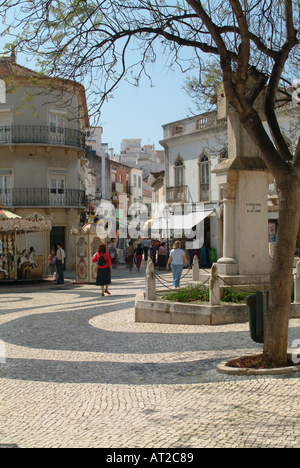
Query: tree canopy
{"x": 106, "y": 41}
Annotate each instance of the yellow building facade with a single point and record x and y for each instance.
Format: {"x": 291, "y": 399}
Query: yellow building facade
{"x": 42, "y": 151}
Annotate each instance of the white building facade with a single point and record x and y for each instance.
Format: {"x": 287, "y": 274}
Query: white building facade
{"x": 193, "y": 147}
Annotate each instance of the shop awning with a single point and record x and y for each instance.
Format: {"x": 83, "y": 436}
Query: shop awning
{"x": 184, "y": 222}
{"x": 7, "y": 214}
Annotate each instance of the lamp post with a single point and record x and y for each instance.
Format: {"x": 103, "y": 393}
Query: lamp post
{"x": 167, "y": 215}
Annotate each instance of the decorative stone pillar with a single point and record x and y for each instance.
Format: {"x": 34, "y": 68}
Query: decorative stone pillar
{"x": 214, "y": 286}
{"x": 195, "y": 268}
{"x": 228, "y": 264}
{"x": 150, "y": 282}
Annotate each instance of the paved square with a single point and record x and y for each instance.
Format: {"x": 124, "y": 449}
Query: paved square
{"x": 79, "y": 372}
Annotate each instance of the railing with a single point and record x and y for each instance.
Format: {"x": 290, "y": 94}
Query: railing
{"x": 36, "y": 134}
{"x": 43, "y": 197}
{"x": 177, "y": 194}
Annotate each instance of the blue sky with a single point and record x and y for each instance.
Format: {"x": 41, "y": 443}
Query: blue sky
{"x": 139, "y": 112}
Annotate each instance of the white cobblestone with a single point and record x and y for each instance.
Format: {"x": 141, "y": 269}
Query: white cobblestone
{"x": 79, "y": 372}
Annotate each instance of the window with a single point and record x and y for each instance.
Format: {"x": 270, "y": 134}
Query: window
{"x": 202, "y": 123}
{"x": 6, "y": 186}
{"x": 5, "y": 125}
{"x": 204, "y": 178}
{"x": 177, "y": 129}
{"x": 57, "y": 187}
{"x": 2, "y": 92}
{"x": 140, "y": 182}
{"x": 179, "y": 172}
{"x": 57, "y": 123}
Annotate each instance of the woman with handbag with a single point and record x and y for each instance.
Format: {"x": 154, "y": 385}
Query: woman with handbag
{"x": 104, "y": 268}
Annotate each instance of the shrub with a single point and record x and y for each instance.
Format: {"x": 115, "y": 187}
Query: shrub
{"x": 188, "y": 294}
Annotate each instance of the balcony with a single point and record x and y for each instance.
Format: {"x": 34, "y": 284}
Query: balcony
{"x": 39, "y": 135}
{"x": 177, "y": 194}
{"x": 25, "y": 197}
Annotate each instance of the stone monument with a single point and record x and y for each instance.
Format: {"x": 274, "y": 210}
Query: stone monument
{"x": 244, "y": 180}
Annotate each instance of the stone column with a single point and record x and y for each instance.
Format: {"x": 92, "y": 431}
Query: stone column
{"x": 195, "y": 268}
{"x": 150, "y": 282}
{"x": 228, "y": 264}
{"x": 214, "y": 286}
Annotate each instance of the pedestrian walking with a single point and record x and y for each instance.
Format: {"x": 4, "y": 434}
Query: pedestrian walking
{"x": 104, "y": 268}
{"x": 146, "y": 245}
{"x": 139, "y": 255}
{"x": 177, "y": 258}
{"x": 51, "y": 262}
{"x": 152, "y": 252}
{"x": 130, "y": 254}
{"x": 161, "y": 256}
{"x": 113, "y": 254}
{"x": 60, "y": 259}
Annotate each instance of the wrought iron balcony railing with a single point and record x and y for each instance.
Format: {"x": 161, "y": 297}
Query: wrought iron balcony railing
{"x": 178, "y": 194}
{"x": 36, "y": 134}
{"x": 43, "y": 197}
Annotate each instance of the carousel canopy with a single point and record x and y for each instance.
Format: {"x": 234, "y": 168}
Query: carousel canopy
{"x": 32, "y": 223}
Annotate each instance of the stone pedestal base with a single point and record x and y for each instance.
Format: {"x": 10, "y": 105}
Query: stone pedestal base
{"x": 262, "y": 281}
{"x": 227, "y": 266}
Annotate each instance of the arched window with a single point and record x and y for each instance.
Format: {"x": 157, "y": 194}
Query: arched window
{"x": 204, "y": 177}
{"x": 179, "y": 172}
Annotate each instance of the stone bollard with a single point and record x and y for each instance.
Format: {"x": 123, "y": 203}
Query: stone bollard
{"x": 150, "y": 281}
{"x": 214, "y": 286}
{"x": 195, "y": 268}
{"x": 297, "y": 284}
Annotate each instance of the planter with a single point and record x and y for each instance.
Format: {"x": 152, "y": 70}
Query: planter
{"x": 194, "y": 314}
{"x": 224, "y": 369}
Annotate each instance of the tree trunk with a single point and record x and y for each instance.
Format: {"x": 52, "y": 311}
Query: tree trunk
{"x": 276, "y": 337}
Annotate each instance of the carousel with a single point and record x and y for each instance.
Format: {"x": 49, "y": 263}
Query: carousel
{"x": 16, "y": 261}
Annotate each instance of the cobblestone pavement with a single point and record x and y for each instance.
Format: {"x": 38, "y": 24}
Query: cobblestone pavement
{"x": 79, "y": 372}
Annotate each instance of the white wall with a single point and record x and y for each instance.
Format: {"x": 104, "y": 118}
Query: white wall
{"x": 189, "y": 149}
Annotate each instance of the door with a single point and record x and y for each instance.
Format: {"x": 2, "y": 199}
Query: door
{"x": 57, "y": 234}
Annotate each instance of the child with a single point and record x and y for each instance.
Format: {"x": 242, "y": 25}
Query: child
{"x": 51, "y": 262}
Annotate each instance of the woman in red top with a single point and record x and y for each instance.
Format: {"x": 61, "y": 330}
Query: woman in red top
{"x": 104, "y": 272}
